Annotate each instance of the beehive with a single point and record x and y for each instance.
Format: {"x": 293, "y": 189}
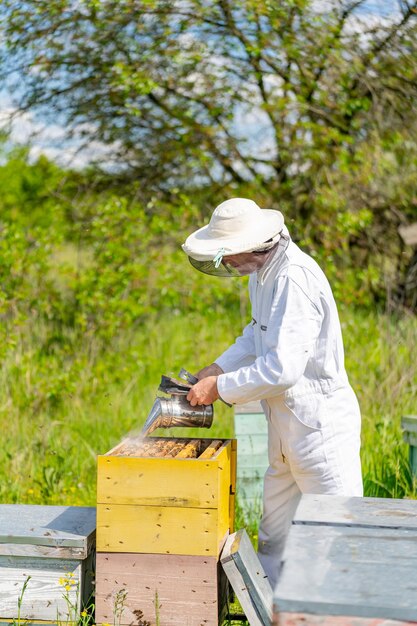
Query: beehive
{"x": 164, "y": 509}
{"x": 45, "y": 545}
{"x": 349, "y": 562}
{"x": 251, "y": 432}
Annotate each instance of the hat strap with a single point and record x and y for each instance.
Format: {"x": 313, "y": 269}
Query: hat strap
{"x": 219, "y": 257}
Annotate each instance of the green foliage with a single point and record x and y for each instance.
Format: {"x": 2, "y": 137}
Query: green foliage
{"x": 284, "y": 102}
{"x": 98, "y": 302}
{"x": 49, "y": 451}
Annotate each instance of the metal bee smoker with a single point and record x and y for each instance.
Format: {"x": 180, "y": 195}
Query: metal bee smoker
{"x": 176, "y": 410}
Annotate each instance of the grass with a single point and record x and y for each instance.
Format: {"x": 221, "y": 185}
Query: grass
{"x": 63, "y": 402}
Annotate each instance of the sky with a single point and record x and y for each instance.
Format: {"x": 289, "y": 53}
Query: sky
{"x": 47, "y": 138}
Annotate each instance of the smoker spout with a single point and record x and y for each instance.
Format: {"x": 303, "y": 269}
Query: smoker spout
{"x": 153, "y": 421}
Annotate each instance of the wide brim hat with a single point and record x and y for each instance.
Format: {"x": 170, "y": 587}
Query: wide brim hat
{"x": 237, "y": 225}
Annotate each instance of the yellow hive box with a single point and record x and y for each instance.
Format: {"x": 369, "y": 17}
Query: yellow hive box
{"x": 166, "y": 496}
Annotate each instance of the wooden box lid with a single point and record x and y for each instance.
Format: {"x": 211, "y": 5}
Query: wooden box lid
{"x": 349, "y": 571}
{"x": 362, "y": 512}
{"x": 47, "y": 531}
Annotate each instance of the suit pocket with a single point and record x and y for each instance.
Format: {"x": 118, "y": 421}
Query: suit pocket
{"x": 309, "y": 409}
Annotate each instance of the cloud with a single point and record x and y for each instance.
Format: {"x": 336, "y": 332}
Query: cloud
{"x": 51, "y": 139}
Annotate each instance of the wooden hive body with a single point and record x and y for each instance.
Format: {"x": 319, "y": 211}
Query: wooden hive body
{"x": 161, "y": 524}
{"x": 165, "y": 505}
{"x": 181, "y": 590}
{"x": 49, "y": 544}
{"x": 349, "y": 561}
{"x": 251, "y": 432}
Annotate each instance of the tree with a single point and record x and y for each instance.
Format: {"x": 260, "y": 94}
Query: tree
{"x": 220, "y": 92}
{"x": 300, "y": 104}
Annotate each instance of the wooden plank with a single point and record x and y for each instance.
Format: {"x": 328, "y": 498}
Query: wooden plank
{"x": 360, "y": 512}
{"x": 251, "y": 444}
{"x": 167, "y": 447}
{"x": 190, "y": 450}
{"x": 54, "y": 526}
{"x": 139, "y": 446}
{"x": 44, "y": 595}
{"x": 163, "y": 481}
{"x": 247, "y": 424}
{"x": 186, "y": 588}
{"x": 37, "y": 622}
{"x": 232, "y": 488}
{"x": 301, "y": 619}
{"x": 409, "y": 423}
{"x": 43, "y": 552}
{"x": 254, "y": 460}
{"x": 247, "y": 578}
{"x": 160, "y": 530}
{"x": 410, "y": 438}
{"x": 339, "y": 570}
{"x": 211, "y": 449}
{"x": 175, "y": 449}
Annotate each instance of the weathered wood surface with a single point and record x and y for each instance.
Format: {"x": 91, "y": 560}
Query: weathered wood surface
{"x": 160, "y": 530}
{"x": 409, "y": 423}
{"x": 342, "y": 570}
{"x": 185, "y": 588}
{"x": 37, "y": 622}
{"x": 44, "y": 595}
{"x": 47, "y": 552}
{"x": 251, "y": 430}
{"x": 250, "y": 423}
{"x": 232, "y": 490}
{"x": 69, "y": 529}
{"x": 253, "y": 444}
{"x": 409, "y": 427}
{"x": 255, "y": 462}
{"x": 360, "y": 512}
{"x": 300, "y": 619}
{"x": 247, "y": 578}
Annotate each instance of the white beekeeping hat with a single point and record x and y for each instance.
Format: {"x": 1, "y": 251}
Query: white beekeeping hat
{"x": 236, "y": 225}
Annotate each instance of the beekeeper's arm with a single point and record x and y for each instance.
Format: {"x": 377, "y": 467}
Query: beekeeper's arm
{"x": 293, "y": 327}
{"x": 241, "y": 353}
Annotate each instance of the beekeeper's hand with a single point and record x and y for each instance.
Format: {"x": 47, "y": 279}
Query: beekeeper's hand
{"x": 210, "y": 370}
{"x": 203, "y": 392}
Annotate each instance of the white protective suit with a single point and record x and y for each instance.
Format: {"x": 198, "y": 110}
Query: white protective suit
{"x": 291, "y": 357}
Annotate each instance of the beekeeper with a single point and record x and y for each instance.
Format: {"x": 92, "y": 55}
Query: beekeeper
{"x": 290, "y": 356}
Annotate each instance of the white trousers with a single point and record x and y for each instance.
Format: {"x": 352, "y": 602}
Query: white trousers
{"x": 306, "y": 459}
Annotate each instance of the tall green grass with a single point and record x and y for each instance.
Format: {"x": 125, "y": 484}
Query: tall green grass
{"x": 63, "y": 402}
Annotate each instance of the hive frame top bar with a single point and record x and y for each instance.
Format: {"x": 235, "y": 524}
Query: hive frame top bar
{"x": 182, "y": 442}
